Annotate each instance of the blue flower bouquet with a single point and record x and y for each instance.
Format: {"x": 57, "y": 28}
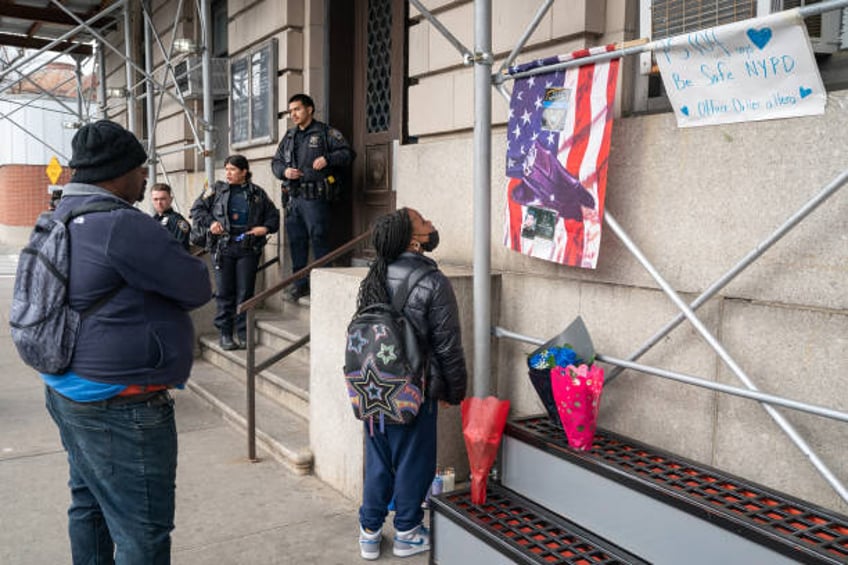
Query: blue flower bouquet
{"x": 572, "y": 346}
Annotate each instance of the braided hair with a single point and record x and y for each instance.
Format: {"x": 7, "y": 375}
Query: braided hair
{"x": 390, "y": 237}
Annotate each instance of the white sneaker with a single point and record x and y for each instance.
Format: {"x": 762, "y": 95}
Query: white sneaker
{"x": 416, "y": 540}
{"x": 369, "y": 543}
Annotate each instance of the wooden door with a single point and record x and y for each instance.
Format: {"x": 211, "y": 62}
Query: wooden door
{"x": 378, "y": 95}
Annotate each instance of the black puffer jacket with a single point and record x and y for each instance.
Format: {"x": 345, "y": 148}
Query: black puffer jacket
{"x": 432, "y": 309}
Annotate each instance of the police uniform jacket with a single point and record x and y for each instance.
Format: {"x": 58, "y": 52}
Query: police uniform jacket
{"x": 432, "y": 309}
{"x": 143, "y": 335}
{"x": 176, "y": 225}
{"x": 299, "y": 149}
{"x": 214, "y": 207}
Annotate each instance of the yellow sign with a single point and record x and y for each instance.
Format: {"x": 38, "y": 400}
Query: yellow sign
{"x": 54, "y": 170}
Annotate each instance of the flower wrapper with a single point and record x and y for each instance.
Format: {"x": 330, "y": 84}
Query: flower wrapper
{"x": 541, "y": 381}
{"x": 567, "y": 348}
{"x": 483, "y": 421}
{"x": 577, "y": 392}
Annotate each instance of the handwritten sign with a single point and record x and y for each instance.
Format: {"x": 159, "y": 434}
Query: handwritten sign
{"x": 751, "y": 70}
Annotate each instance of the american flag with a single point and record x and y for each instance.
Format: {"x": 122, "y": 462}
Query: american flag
{"x": 558, "y": 138}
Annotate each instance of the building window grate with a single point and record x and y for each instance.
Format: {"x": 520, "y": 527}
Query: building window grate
{"x": 378, "y": 104}
{"x": 675, "y": 17}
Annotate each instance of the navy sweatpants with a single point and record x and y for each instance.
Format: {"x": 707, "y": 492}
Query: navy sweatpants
{"x": 401, "y": 463}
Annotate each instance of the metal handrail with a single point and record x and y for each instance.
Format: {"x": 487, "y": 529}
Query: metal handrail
{"x": 249, "y": 307}
{"x": 273, "y": 260}
{"x": 251, "y": 303}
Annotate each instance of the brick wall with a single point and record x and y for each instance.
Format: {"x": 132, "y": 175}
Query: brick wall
{"x": 23, "y": 193}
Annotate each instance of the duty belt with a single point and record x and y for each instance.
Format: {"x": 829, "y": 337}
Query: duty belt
{"x": 321, "y": 190}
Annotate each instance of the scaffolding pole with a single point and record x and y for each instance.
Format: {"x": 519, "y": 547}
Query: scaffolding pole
{"x": 101, "y": 81}
{"x": 49, "y": 46}
{"x": 482, "y": 196}
{"x": 208, "y": 108}
{"x": 128, "y": 67}
{"x": 803, "y": 12}
{"x": 731, "y": 364}
{"x": 725, "y": 279}
{"x": 150, "y": 90}
{"x": 814, "y": 409}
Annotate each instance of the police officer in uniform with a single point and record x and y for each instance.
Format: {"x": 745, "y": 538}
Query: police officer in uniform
{"x": 172, "y": 221}
{"x": 238, "y": 216}
{"x": 308, "y": 161}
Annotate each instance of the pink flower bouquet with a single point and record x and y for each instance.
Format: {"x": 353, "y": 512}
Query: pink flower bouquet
{"x": 577, "y": 393}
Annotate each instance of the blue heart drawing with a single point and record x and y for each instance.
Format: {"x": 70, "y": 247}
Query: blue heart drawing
{"x": 805, "y": 91}
{"x": 759, "y": 37}
{"x": 684, "y": 110}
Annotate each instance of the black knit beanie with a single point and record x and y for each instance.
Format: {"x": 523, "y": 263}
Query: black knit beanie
{"x": 103, "y": 151}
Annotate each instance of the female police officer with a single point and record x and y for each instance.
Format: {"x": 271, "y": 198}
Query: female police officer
{"x": 238, "y": 216}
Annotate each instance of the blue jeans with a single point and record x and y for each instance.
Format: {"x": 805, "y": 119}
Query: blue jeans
{"x": 307, "y": 221}
{"x": 399, "y": 464}
{"x": 123, "y": 466}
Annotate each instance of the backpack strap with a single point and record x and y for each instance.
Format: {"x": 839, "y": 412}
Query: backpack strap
{"x": 102, "y": 301}
{"x": 99, "y": 206}
{"x": 402, "y": 294}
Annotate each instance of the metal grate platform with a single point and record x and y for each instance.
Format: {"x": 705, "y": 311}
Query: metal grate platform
{"x": 527, "y": 532}
{"x": 789, "y": 525}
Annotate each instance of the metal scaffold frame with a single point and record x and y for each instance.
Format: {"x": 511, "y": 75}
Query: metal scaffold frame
{"x": 156, "y": 84}
{"x": 484, "y": 81}
{"x": 88, "y": 45}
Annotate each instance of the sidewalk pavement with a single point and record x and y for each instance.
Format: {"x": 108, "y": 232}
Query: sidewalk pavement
{"x": 229, "y": 511}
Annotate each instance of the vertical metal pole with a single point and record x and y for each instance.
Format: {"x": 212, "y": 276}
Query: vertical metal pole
{"x": 78, "y": 74}
{"x": 482, "y": 195}
{"x": 250, "y": 364}
{"x": 128, "y": 56}
{"x": 208, "y": 110}
{"x": 150, "y": 89}
{"x": 101, "y": 81}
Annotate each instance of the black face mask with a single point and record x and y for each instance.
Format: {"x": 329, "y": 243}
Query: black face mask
{"x": 432, "y": 242}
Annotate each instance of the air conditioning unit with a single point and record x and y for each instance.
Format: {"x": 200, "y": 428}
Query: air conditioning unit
{"x": 189, "y": 75}
{"x": 825, "y": 30}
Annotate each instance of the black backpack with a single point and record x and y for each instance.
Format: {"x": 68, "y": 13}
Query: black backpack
{"x": 44, "y": 327}
{"x": 385, "y": 361}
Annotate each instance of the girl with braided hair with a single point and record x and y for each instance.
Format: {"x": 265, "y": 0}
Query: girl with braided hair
{"x": 400, "y": 460}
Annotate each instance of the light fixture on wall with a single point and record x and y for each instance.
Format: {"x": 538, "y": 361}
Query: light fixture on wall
{"x": 116, "y": 92}
{"x": 185, "y": 46}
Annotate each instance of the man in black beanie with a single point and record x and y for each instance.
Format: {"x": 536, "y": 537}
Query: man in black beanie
{"x": 112, "y": 407}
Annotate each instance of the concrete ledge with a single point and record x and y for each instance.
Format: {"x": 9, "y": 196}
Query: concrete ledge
{"x": 335, "y": 435}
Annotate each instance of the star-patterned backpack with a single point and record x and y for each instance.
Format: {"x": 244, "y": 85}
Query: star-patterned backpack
{"x": 385, "y": 361}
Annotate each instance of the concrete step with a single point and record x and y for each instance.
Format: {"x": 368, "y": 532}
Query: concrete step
{"x": 299, "y": 309}
{"x": 285, "y": 382}
{"x": 508, "y": 528}
{"x": 663, "y": 507}
{"x": 280, "y": 330}
{"x": 279, "y": 432}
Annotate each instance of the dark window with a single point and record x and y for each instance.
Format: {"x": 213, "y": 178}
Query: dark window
{"x": 253, "y": 96}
